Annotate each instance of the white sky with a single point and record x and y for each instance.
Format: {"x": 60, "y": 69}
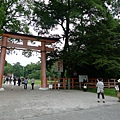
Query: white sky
{"x": 21, "y": 59}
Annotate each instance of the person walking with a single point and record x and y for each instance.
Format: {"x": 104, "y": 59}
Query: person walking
{"x": 14, "y": 80}
{"x": 32, "y": 83}
{"x": 19, "y": 81}
{"x": 100, "y": 89}
{"x": 25, "y": 83}
{"x": 7, "y": 80}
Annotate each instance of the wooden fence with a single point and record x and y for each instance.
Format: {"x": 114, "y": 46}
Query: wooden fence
{"x": 73, "y": 83}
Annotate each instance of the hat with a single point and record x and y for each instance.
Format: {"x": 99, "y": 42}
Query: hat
{"x": 118, "y": 80}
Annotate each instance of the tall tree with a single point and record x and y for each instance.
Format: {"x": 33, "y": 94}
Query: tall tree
{"x": 69, "y": 14}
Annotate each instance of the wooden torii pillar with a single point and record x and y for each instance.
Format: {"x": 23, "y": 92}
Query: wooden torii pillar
{"x": 2, "y": 60}
{"x": 43, "y": 48}
{"x": 43, "y": 67}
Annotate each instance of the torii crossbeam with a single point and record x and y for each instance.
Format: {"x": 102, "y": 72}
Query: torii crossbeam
{"x": 4, "y": 43}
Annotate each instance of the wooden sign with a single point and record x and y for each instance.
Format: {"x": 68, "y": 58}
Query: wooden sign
{"x": 59, "y": 66}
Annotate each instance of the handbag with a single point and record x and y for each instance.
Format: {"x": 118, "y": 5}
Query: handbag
{"x": 84, "y": 86}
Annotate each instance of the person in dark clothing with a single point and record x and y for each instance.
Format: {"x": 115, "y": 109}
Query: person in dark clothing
{"x": 19, "y": 81}
{"x": 7, "y": 79}
{"x": 85, "y": 84}
{"x": 10, "y": 80}
{"x": 14, "y": 80}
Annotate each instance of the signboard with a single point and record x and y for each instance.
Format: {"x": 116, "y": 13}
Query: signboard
{"x": 59, "y": 66}
{"x": 82, "y": 77}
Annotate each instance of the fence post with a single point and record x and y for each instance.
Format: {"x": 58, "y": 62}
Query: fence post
{"x": 68, "y": 83}
{"x": 114, "y": 82}
{"x": 55, "y": 83}
{"x": 108, "y": 83}
{"x": 72, "y": 83}
{"x": 64, "y": 83}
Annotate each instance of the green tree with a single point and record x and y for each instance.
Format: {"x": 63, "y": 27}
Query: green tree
{"x": 51, "y": 71}
{"x": 8, "y": 69}
{"x": 98, "y": 49}
{"x": 14, "y": 15}
{"x": 33, "y": 70}
{"x": 17, "y": 69}
{"x": 76, "y": 18}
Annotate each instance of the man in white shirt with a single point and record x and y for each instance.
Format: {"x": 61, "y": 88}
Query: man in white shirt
{"x": 100, "y": 89}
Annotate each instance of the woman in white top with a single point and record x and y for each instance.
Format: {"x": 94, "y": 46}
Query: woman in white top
{"x": 100, "y": 89}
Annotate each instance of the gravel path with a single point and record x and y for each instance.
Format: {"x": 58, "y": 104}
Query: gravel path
{"x": 20, "y": 104}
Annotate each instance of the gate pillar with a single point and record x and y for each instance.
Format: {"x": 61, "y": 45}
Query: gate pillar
{"x": 2, "y": 60}
{"x": 43, "y": 67}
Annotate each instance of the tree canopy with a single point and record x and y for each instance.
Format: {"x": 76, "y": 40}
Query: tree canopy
{"x": 14, "y": 15}
{"x": 90, "y": 34}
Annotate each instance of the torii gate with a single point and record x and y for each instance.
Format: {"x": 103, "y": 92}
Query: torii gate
{"x": 4, "y": 43}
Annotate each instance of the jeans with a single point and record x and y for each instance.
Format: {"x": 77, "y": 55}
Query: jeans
{"x": 101, "y": 94}
{"x": 25, "y": 86}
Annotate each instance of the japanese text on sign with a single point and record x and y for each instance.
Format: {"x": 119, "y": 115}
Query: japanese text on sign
{"x": 59, "y": 66}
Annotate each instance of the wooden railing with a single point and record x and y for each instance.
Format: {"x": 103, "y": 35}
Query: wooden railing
{"x": 73, "y": 83}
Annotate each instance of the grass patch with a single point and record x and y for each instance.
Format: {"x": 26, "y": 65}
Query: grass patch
{"x": 37, "y": 82}
{"x": 111, "y": 92}
{"x": 107, "y": 91}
